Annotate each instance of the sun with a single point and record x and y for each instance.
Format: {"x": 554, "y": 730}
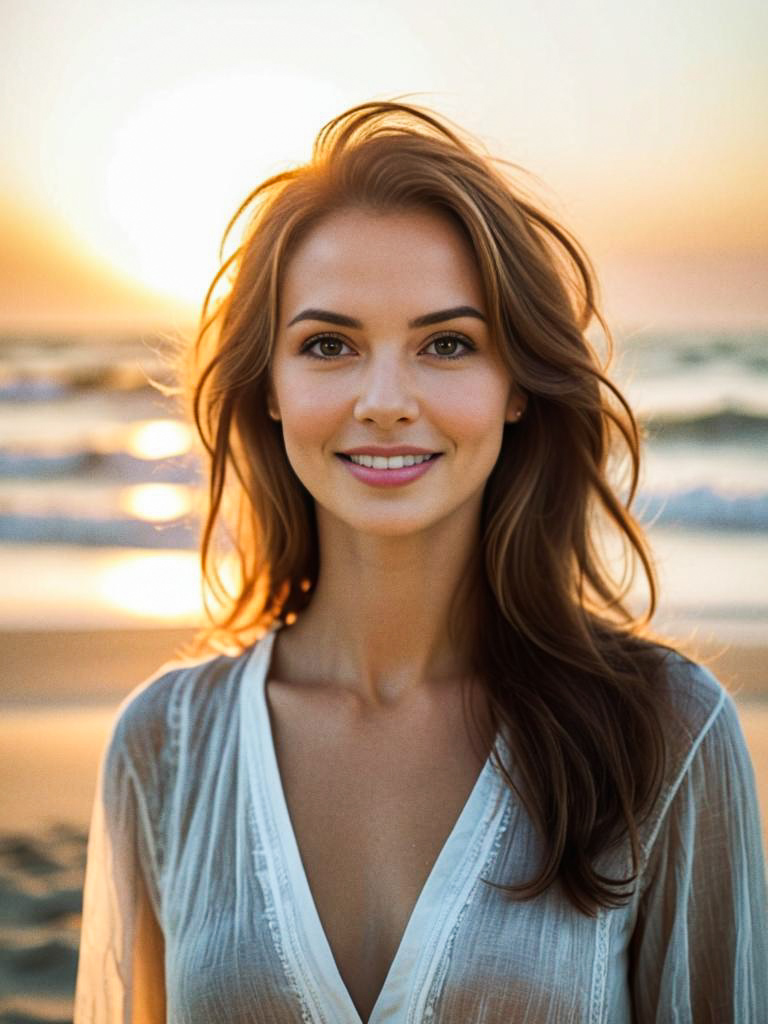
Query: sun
{"x": 183, "y": 160}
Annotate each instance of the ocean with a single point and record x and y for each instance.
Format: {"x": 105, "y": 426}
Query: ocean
{"x": 99, "y": 492}
{"x": 99, "y": 486}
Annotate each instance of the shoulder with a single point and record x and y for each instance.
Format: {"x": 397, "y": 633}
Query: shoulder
{"x": 695, "y": 697}
{"x": 700, "y": 720}
{"x": 706, "y": 754}
{"x": 180, "y": 695}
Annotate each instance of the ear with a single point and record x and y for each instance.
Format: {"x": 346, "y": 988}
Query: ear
{"x": 272, "y": 409}
{"x": 515, "y": 406}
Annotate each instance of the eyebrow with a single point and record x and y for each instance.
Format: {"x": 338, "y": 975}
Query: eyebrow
{"x": 340, "y": 320}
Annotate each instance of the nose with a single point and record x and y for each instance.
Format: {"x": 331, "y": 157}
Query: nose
{"x": 386, "y": 395}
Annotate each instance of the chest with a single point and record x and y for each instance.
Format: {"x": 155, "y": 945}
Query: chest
{"x": 371, "y": 804}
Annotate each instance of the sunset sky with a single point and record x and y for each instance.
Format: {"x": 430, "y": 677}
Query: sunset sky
{"x": 132, "y": 130}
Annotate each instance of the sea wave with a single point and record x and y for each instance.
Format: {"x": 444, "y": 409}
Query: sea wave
{"x": 704, "y": 507}
{"x": 670, "y": 351}
{"x": 689, "y": 509}
{"x": 86, "y": 464}
{"x": 723, "y": 425}
{"x": 94, "y": 532}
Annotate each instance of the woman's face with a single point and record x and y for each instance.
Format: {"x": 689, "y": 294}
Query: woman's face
{"x": 383, "y": 343}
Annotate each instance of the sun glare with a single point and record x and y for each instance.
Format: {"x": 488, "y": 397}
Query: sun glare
{"x": 156, "y": 503}
{"x": 154, "y": 585}
{"x": 184, "y": 160}
{"x": 158, "y": 439}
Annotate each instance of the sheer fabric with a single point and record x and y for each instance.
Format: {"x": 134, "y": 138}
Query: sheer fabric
{"x": 197, "y": 909}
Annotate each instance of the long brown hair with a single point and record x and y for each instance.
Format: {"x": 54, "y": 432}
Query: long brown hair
{"x": 568, "y": 670}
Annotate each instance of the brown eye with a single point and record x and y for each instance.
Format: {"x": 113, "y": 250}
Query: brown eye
{"x": 451, "y": 342}
{"x": 330, "y": 347}
{"x": 447, "y": 346}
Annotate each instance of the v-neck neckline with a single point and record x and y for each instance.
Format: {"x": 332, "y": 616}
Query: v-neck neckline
{"x": 297, "y": 928}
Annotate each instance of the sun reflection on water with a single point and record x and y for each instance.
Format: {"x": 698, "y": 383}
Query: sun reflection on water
{"x": 157, "y": 585}
{"x": 158, "y": 439}
{"x": 156, "y": 503}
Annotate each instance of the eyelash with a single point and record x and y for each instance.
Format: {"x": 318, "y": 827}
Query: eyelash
{"x": 308, "y": 345}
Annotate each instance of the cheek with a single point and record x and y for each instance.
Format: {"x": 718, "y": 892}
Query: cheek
{"x": 473, "y": 410}
{"x": 310, "y": 416}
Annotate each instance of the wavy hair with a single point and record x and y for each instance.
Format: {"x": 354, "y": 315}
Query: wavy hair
{"x": 568, "y": 670}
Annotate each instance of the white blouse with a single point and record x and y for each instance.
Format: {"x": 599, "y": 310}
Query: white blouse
{"x": 190, "y": 811}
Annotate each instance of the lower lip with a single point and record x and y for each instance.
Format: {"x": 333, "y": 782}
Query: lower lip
{"x": 388, "y": 477}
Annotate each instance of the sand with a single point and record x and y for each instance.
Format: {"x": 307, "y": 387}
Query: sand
{"x": 104, "y": 664}
{"x": 58, "y": 697}
{"x": 59, "y": 692}
{"x": 82, "y": 665}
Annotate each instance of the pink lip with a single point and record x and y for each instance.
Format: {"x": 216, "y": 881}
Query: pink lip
{"x": 389, "y": 477}
{"x": 377, "y": 449}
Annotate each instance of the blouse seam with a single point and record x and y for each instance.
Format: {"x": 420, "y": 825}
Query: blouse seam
{"x": 178, "y": 717}
{"x": 170, "y": 764}
{"x": 152, "y": 883}
{"x": 672, "y": 789}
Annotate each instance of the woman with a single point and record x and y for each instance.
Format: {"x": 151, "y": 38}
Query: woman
{"x": 447, "y": 776}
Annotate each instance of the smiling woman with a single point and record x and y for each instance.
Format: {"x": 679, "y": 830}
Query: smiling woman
{"x": 388, "y": 378}
{"x": 443, "y": 773}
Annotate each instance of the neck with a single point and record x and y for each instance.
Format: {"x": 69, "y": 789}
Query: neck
{"x": 378, "y": 621}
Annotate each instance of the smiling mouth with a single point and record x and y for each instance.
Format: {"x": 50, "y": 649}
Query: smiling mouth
{"x": 389, "y": 462}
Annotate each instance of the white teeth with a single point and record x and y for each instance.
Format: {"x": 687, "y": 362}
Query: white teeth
{"x": 394, "y": 462}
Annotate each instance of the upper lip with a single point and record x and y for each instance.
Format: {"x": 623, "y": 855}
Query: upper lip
{"x": 374, "y": 449}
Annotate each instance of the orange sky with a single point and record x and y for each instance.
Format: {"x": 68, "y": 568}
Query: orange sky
{"x": 47, "y": 280}
{"x": 137, "y": 129}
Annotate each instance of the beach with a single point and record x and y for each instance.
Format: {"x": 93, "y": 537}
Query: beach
{"x": 99, "y": 520}
{"x": 59, "y": 697}
{"x": 61, "y": 690}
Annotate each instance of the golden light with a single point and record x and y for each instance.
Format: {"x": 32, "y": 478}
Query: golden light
{"x": 185, "y": 158}
{"x": 158, "y": 439}
{"x": 154, "y": 585}
{"x": 156, "y": 503}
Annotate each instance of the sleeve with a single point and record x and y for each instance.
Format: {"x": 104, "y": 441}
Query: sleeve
{"x": 120, "y": 976}
{"x": 699, "y": 951}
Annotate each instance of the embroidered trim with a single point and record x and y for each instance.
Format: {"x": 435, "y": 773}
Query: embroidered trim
{"x": 169, "y": 768}
{"x": 268, "y": 862}
{"x": 600, "y": 970}
{"x": 270, "y": 912}
{"x": 443, "y": 965}
{"x": 273, "y": 876}
{"x": 461, "y": 891}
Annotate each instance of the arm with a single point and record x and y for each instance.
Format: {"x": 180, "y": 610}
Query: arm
{"x": 120, "y": 978}
{"x": 699, "y": 953}
{"x": 148, "y": 1003}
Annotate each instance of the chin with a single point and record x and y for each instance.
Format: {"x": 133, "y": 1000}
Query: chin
{"x": 386, "y": 523}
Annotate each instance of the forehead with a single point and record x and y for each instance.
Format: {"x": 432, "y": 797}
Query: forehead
{"x": 355, "y": 259}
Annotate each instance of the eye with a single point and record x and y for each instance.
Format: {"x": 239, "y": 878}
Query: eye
{"x": 327, "y": 347}
{"x": 453, "y": 340}
{"x": 329, "y": 341}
